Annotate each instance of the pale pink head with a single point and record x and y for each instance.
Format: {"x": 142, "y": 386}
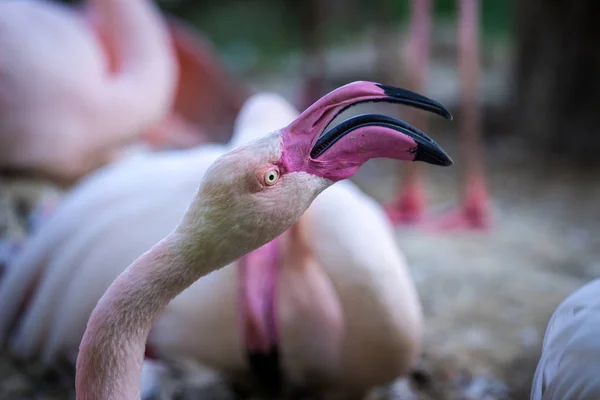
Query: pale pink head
{"x": 256, "y": 191}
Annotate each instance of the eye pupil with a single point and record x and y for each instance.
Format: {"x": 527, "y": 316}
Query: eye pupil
{"x": 271, "y": 177}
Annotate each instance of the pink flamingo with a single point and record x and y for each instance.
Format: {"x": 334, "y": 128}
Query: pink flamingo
{"x": 328, "y": 307}
{"x": 62, "y": 111}
{"x": 247, "y": 198}
{"x": 409, "y": 205}
{"x": 312, "y": 18}
{"x": 311, "y": 328}
{"x": 78, "y": 84}
{"x": 51, "y": 265}
{"x": 570, "y": 361}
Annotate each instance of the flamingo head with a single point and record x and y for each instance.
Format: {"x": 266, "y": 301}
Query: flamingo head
{"x": 256, "y": 191}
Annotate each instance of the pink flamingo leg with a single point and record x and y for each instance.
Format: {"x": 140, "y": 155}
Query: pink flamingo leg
{"x": 475, "y": 212}
{"x": 259, "y": 273}
{"x": 314, "y": 58}
{"x": 409, "y": 204}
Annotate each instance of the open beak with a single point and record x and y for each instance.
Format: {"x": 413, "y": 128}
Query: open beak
{"x": 337, "y": 153}
{"x": 426, "y": 149}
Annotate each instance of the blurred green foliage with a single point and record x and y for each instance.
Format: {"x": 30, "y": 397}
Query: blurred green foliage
{"x": 496, "y": 14}
{"x": 274, "y": 26}
{"x": 260, "y": 32}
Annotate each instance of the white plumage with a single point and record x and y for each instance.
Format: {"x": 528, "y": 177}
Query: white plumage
{"x": 569, "y": 368}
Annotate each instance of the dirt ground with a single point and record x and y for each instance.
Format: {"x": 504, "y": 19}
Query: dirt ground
{"x": 487, "y": 296}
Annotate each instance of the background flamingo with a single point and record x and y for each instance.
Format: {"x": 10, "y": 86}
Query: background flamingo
{"x": 409, "y": 205}
{"x": 568, "y": 368}
{"x": 119, "y": 74}
{"x": 62, "y": 113}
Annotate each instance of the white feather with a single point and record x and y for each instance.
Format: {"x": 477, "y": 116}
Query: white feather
{"x": 569, "y": 368}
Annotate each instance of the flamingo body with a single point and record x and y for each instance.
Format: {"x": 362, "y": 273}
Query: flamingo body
{"x": 64, "y": 109}
{"x": 568, "y": 368}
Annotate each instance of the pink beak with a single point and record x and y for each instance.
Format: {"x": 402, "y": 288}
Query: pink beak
{"x": 338, "y": 153}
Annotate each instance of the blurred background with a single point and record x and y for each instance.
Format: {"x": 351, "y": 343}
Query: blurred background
{"x": 487, "y": 293}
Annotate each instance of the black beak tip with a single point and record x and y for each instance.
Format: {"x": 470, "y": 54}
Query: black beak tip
{"x": 434, "y": 155}
{"x": 447, "y": 162}
{"x": 415, "y": 99}
{"x": 443, "y": 111}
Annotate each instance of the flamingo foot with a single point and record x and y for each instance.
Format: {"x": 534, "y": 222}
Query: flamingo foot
{"x": 409, "y": 206}
{"x": 475, "y": 213}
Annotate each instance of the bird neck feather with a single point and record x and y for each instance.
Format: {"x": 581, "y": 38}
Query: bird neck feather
{"x": 112, "y": 349}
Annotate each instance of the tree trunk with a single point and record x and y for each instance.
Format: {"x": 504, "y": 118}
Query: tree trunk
{"x": 557, "y": 84}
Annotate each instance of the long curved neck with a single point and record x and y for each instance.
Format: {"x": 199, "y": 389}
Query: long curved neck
{"x": 112, "y": 349}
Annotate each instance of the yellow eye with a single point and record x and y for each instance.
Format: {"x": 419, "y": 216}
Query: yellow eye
{"x": 271, "y": 177}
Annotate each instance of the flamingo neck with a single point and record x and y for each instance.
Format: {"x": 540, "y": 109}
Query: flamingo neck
{"x": 112, "y": 349}
{"x": 259, "y": 275}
